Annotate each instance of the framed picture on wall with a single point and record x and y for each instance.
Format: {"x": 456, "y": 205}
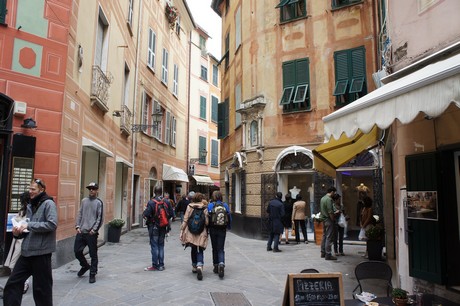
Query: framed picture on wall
{"x": 422, "y": 205}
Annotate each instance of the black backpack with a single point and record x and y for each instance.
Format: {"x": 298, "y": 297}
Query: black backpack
{"x": 196, "y": 221}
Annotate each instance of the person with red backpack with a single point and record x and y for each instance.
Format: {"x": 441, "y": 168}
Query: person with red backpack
{"x": 157, "y": 215}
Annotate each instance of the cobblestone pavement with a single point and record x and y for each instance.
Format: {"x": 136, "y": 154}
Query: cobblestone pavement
{"x": 250, "y": 270}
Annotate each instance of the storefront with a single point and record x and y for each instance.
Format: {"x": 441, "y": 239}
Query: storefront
{"x": 420, "y": 114}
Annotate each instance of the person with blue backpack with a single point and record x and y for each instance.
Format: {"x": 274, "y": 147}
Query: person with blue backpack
{"x": 194, "y": 232}
{"x": 220, "y": 221}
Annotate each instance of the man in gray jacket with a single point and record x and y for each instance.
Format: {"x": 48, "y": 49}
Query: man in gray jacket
{"x": 89, "y": 220}
{"x": 39, "y": 234}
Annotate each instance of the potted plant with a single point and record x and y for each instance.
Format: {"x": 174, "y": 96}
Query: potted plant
{"x": 375, "y": 237}
{"x": 318, "y": 226}
{"x": 399, "y": 296}
{"x": 114, "y": 231}
{"x": 171, "y": 14}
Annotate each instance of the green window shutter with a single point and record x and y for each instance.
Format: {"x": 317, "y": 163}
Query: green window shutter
{"x": 202, "y": 146}
{"x": 358, "y": 62}
{"x": 289, "y": 74}
{"x": 2, "y": 11}
{"x": 301, "y": 72}
{"x": 220, "y": 120}
{"x": 202, "y": 107}
{"x": 227, "y": 120}
{"x": 342, "y": 67}
{"x": 214, "y": 112}
{"x": 214, "y": 153}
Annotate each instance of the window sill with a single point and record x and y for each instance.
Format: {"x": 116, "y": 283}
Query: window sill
{"x": 130, "y": 28}
{"x": 294, "y": 19}
{"x": 298, "y": 111}
{"x": 151, "y": 69}
{"x": 336, "y": 8}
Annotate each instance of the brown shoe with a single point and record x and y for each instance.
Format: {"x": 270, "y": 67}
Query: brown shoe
{"x": 330, "y": 257}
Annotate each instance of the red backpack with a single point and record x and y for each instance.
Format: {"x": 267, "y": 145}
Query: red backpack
{"x": 161, "y": 213}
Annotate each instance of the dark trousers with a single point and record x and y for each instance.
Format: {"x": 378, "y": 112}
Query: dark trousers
{"x": 275, "y": 239}
{"x": 300, "y": 224}
{"x": 81, "y": 241}
{"x": 339, "y": 237}
{"x": 40, "y": 269}
{"x": 218, "y": 243}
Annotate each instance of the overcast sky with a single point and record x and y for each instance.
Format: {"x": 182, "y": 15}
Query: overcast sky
{"x": 208, "y": 20}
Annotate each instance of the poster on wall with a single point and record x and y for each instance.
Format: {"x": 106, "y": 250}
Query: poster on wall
{"x": 422, "y": 205}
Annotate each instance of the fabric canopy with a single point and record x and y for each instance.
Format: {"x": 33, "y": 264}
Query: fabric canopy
{"x": 331, "y": 155}
{"x": 203, "y": 180}
{"x": 430, "y": 90}
{"x": 171, "y": 173}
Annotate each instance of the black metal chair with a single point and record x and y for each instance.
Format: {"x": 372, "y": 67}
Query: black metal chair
{"x": 309, "y": 271}
{"x": 373, "y": 270}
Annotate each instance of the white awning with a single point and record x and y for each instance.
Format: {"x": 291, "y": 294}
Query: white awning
{"x": 429, "y": 90}
{"x": 171, "y": 173}
{"x": 97, "y": 147}
{"x": 203, "y": 180}
{"x": 121, "y": 160}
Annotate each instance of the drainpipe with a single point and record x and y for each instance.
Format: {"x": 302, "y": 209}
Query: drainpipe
{"x": 134, "y": 137}
{"x": 188, "y": 106}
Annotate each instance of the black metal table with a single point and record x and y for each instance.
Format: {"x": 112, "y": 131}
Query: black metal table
{"x": 428, "y": 299}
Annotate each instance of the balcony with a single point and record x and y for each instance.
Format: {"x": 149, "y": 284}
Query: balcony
{"x": 125, "y": 120}
{"x": 100, "y": 89}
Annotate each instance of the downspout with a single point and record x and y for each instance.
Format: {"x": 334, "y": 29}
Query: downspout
{"x": 134, "y": 140}
{"x": 188, "y": 106}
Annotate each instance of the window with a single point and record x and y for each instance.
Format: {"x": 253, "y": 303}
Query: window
{"x": 151, "y": 49}
{"x": 168, "y": 128}
{"x": 147, "y": 110}
{"x": 204, "y": 52}
{"x": 237, "y": 104}
{"x": 222, "y": 119}
{"x": 292, "y": 9}
{"x": 173, "y": 131}
{"x": 202, "y": 146}
{"x": 350, "y": 75}
{"x": 203, "y": 107}
{"x": 340, "y": 3}
{"x": 130, "y": 15}
{"x": 2, "y": 11}
{"x": 296, "y": 79}
{"x": 156, "y": 131}
{"x": 175, "y": 80}
{"x": 214, "y": 153}
{"x": 204, "y": 73}
{"x": 215, "y": 75}
{"x": 100, "y": 57}
{"x": 214, "y": 107}
{"x": 164, "y": 68}
{"x": 238, "y": 28}
{"x": 178, "y": 25}
{"x": 227, "y": 47}
{"x": 126, "y": 86}
{"x": 254, "y": 133}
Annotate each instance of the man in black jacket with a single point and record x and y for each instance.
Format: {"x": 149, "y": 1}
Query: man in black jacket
{"x": 275, "y": 211}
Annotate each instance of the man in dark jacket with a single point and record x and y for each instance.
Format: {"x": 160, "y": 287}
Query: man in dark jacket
{"x": 275, "y": 211}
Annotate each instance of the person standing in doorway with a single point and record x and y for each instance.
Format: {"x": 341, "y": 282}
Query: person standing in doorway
{"x": 298, "y": 217}
{"x": 327, "y": 216}
{"x": 39, "y": 243}
{"x": 287, "y": 222}
{"x": 89, "y": 220}
{"x": 275, "y": 212}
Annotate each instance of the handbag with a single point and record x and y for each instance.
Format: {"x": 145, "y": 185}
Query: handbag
{"x": 293, "y": 229}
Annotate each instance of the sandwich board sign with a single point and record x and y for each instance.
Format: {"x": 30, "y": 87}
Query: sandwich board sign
{"x": 314, "y": 289}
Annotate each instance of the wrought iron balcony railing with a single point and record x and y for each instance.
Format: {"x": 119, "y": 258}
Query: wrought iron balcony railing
{"x": 125, "y": 120}
{"x": 100, "y": 88}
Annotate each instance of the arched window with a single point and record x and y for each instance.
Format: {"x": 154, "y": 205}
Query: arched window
{"x": 254, "y": 133}
{"x": 297, "y": 161}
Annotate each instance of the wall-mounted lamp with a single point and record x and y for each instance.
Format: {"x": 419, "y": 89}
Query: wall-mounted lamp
{"x": 29, "y": 123}
{"x": 117, "y": 113}
{"x": 156, "y": 118}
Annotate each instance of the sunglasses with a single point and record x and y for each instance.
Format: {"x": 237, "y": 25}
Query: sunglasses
{"x": 39, "y": 182}
{"x": 92, "y": 188}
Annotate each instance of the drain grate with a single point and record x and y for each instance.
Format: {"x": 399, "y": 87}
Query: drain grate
{"x": 229, "y": 299}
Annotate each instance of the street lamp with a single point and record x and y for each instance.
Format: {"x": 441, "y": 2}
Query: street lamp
{"x": 201, "y": 159}
{"x": 156, "y": 118}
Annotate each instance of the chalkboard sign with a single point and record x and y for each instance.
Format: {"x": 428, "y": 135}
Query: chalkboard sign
{"x": 314, "y": 289}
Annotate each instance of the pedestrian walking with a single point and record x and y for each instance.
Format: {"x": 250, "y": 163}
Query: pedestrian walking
{"x": 275, "y": 210}
{"x": 327, "y": 217}
{"x": 181, "y": 206}
{"x": 89, "y": 220}
{"x": 194, "y": 232}
{"x": 154, "y": 214}
{"x": 220, "y": 221}
{"x": 298, "y": 217}
{"x": 39, "y": 234}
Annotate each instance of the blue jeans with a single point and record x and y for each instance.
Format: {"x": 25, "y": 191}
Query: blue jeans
{"x": 157, "y": 245}
{"x": 218, "y": 242}
{"x": 275, "y": 238}
{"x": 197, "y": 255}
